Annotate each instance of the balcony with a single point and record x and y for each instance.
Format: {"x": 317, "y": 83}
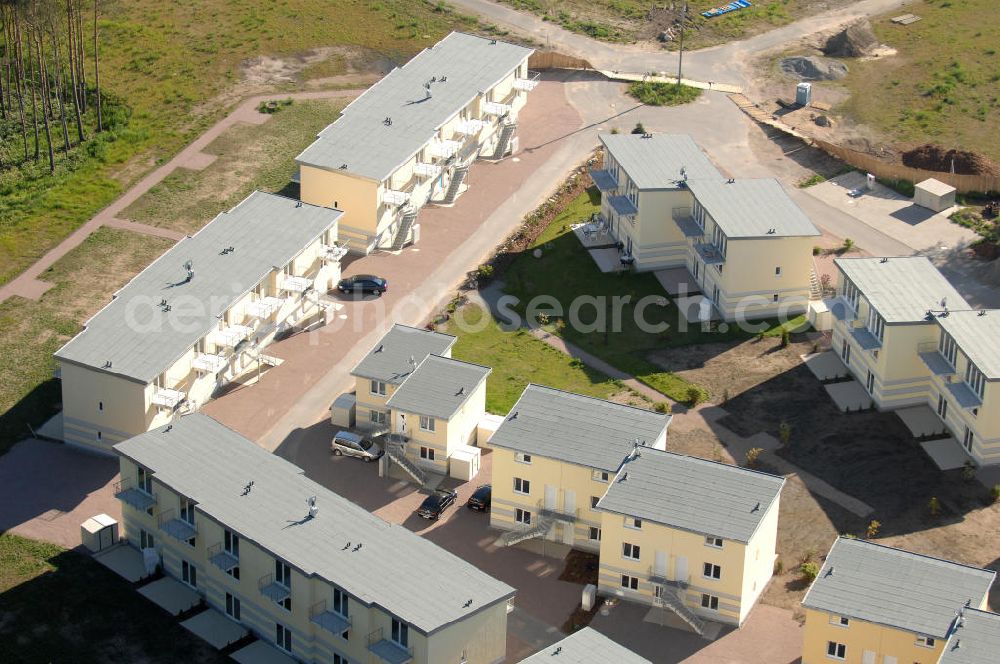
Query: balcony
{"x": 395, "y": 197}
{"x": 334, "y": 254}
{"x": 221, "y": 558}
{"x": 709, "y": 254}
{"x": 208, "y": 363}
{"x": 386, "y": 650}
{"x": 469, "y": 127}
{"x": 525, "y": 84}
{"x": 167, "y": 398}
{"x": 623, "y": 206}
{"x": 564, "y": 515}
{"x": 426, "y": 170}
{"x": 659, "y": 578}
{"x": 935, "y": 361}
{"x": 126, "y": 492}
{"x": 841, "y": 310}
{"x": 964, "y": 395}
{"x": 443, "y": 148}
{"x": 865, "y": 339}
{"x": 329, "y": 620}
{"x": 295, "y": 284}
{"x": 495, "y": 108}
{"x": 265, "y": 307}
{"x": 271, "y": 589}
{"x": 232, "y": 335}
{"x": 604, "y": 180}
{"x": 685, "y": 221}
{"x": 177, "y": 528}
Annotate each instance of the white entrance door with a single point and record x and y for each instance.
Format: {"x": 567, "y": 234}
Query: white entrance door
{"x": 660, "y": 564}
{"x": 868, "y": 657}
{"x": 551, "y": 493}
{"x": 681, "y": 569}
{"x": 401, "y": 424}
{"x": 888, "y": 659}
{"x": 569, "y": 501}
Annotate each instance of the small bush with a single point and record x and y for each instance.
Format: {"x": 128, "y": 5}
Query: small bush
{"x": 784, "y": 432}
{"x": 811, "y": 181}
{"x": 995, "y": 493}
{"x": 785, "y": 338}
{"x": 809, "y": 571}
{"x": 817, "y": 250}
{"x": 848, "y": 244}
{"x": 654, "y": 93}
{"x": 695, "y": 395}
{"x": 934, "y": 506}
{"x": 968, "y": 471}
{"x": 639, "y": 128}
{"x": 484, "y": 272}
{"x": 273, "y": 106}
{"x": 779, "y": 566}
{"x": 662, "y": 407}
{"x": 725, "y": 395}
{"x": 872, "y": 530}
{"x": 753, "y": 456}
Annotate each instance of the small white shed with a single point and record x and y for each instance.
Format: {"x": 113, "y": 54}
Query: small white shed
{"x": 934, "y": 195}
{"x": 343, "y": 410}
{"x": 464, "y": 463}
{"x": 99, "y": 533}
{"x": 486, "y": 427}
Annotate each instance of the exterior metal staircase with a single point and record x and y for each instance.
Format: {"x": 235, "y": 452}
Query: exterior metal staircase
{"x": 815, "y": 288}
{"x": 671, "y": 598}
{"x": 457, "y": 178}
{"x": 503, "y": 141}
{"x": 398, "y": 456}
{"x": 409, "y": 217}
{"x": 540, "y": 528}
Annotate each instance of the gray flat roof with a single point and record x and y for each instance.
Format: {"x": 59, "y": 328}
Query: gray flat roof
{"x": 583, "y": 430}
{"x": 346, "y": 545}
{"x": 438, "y": 387}
{"x": 897, "y": 588}
{"x": 978, "y": 335}
{"x": 586, "y": 646}
{"x": 752, "y": 208}
{"x": 655, "y": 162}
{"x": 975, "y": 641}
{"x": 902, "y": 288}
{"x": 693, "y": 494}
{"x": 140, "y": 340}
{"x": 373, "y": 149}
{"x": 389, "y": 360}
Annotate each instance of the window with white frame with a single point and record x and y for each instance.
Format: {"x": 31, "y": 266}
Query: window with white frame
{"x": 593, "y": 502}
{"x": 715, "y": 542}
{"x": 522, "y": 486}
{"x": 947, "y": 347}
{"x": 926, "y": 641}
{"x": 378, "y": 388}
{"x": 633, "y": 523}
{"x": 427, "y": 423}
{"x": 378, "y": 417}
{"x": 630, "y": 551}
{"x": 975, "y": 379}
{"x": 595, "y": 534}
{"x": 144, "y": 481}
{"x": 712, "y": 571}
{"x": 969, "y": 439}
{"x": 427, "y": 453}
{"x": 187, "y": 511}
{"x": 400, "y": 633}
{"x": 836, "y": 650}
{"x": 283, "y": 637}
{"x": 189, "y": 574}
{"x": 145, "y": 540}
{"x": 876, "y": 324}
{"x": 282, "y": 574}
{"x": 231, "y": 545}
{"x": 840, "y": 621}
{"x": 232, "y": 607}
{"x": 521, "y": 457}
{"x": 630, "y": 582}
{"x": 710, "y": 602}
{"x": 777, "y": 270}
{"x": 340, "y": 605}
{"x": 601, "y": 476}
{"x": 522, "y": 516}
{"x": 849, "y": 292}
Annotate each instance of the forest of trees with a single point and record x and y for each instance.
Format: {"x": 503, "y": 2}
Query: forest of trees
{"x": 50, "y": 79}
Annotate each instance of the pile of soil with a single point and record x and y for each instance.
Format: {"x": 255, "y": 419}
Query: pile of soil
{"x": 936, "y": 158}
{"x": 813, "y": 68}
{"x": 855, "y": 41}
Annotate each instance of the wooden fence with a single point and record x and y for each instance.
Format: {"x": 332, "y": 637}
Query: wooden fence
{"x": 554, "y": 60}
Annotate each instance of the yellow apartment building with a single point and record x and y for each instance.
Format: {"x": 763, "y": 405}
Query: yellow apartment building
{"x": 411, "y": 137}
{"x": 435, "y": 413}
{"x": 554, "y": 456}
{"x": 586, "y": 646}
{"x": 692, "y": 536}
{"x": 746, "y": 245}
{"x": 298, "y": 565}
{"x": 390, "y": 362}
{"x": 911, "y": 339}
{"x": 200, "y": 315}
{"x": 872, "y": 604}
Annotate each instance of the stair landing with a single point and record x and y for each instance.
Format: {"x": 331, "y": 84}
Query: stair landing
{"x": 667, "y": 618}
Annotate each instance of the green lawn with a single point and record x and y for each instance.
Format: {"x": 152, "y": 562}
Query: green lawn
{"x": 61, "y": 606}
{"x": 30, "y": 331}
{"x": 249, "y": 157}
{"x": 176, "y": 67}
{"x": 658, "y": 93}
{"x": 566, "y": 271}
{"x": 518, "y": 358}
{"x": 942, "y": 85}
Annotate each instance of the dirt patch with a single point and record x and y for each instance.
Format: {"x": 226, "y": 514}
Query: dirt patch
{"x": 936, "y": 158}
{"x": 813, "y": 68}
{"x": 581, "y": 568}
{"x": 857, "y": 40}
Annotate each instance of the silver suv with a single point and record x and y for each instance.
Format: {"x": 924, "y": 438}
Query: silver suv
{"x": 351, "y": 444}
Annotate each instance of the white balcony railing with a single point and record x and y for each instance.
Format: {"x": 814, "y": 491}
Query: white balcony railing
{"x": 426, "y": 170}
{"x": 470, "y": 127}
{"x": 393, "y": 197}
{"x": 167, "y": 398}
{"x": 264, "y": 307}
{"x": 209, "y": 363}
{"x": 444, "y": 148}
{"x": 294, "y": 284}
{"x": 334, "y": 254}
{"x": 232, "y": 335}
{"x": 496, "y": 108}
{"x": 525, "y": 84}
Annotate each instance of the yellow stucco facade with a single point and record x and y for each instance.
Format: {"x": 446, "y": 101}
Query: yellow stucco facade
{"x": 863, "y": 642}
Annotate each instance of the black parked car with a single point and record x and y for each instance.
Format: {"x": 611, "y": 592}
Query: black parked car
{"x": 480, "y": 499}
{"x": 435, "y": 504}
{"x": 363, "y": 283}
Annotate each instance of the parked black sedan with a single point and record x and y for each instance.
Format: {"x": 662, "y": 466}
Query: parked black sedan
{"x": 363, "y": 283}
{"x": 481, "y": 498}
{"x": 435, "y": 504}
